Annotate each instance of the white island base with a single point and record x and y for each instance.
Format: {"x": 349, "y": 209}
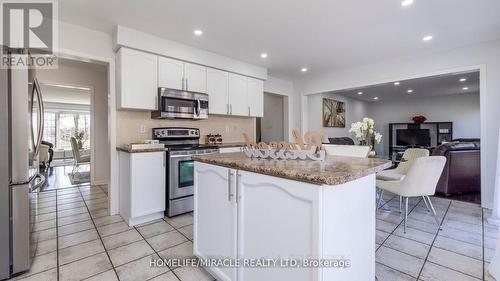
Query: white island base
{"x": 244, "y": 215}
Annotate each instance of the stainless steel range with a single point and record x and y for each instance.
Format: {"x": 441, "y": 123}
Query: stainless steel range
{"x": 182, "y": 143}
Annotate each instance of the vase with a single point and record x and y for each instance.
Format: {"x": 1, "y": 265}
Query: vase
{"x": 372, "y": 153}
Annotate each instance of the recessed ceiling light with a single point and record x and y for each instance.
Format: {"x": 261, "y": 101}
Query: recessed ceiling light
{"x": 406, "y": 2}
{"x": 465, "y": 88}
{"x": 409, "y": 91}
{"x": 263, "y": 55}
{"x": 396, "y": 83}
{"x": 427, "y": 38}
{"x": 303, "y": 69}
{"x": 360, "y": 93}
{"x": 463, "y": 79}
{"x": 375, "y": 98}
{"x": 197, "y": 32}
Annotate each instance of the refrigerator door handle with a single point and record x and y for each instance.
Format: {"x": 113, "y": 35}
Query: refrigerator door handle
{"x": 36, "y": 87}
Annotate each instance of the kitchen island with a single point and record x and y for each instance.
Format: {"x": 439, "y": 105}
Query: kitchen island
{"x": 286, "y": 219}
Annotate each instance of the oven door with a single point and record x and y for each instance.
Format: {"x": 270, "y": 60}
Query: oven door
{"x": 181, "y": 176}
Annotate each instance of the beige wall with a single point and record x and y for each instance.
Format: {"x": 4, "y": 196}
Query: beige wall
{"x": 129, "y": 126}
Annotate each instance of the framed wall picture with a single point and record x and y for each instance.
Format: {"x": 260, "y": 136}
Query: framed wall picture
{"x": 333, "y": 113}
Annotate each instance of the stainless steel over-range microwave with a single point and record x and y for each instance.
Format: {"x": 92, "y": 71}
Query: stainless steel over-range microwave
{"x": 181, "y": 104}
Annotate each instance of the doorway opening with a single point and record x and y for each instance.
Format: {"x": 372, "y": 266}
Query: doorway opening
{"x": 272, "y": 126}
{"x": 75, "y": 124}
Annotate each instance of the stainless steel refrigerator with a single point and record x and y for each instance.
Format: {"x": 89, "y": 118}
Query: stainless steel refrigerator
{"x": 21, "y": 129}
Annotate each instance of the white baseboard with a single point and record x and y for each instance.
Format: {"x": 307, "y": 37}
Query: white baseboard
{"x": 101, "y": 182}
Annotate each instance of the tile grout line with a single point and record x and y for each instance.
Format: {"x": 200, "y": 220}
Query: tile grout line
{"x": 157, "y": 253}
{"x": 398, "y": 225}
{"x": 433, "y": 241}
{"x": 99, "y": 235}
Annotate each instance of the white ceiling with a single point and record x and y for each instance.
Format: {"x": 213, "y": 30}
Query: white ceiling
{"x": 441, "y": 85}
{"x": 57, "y": 94}
{"x": 318, "y": 34}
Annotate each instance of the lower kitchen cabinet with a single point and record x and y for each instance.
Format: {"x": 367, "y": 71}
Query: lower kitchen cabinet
{"x": 215, "y": 217}
{"x": 142, "y": 186}
{"x": 245, "y": 217}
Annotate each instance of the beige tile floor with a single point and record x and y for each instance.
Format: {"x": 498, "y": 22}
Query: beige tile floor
{"x": 78, "y": 240}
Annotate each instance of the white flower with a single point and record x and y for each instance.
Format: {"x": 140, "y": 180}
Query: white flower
{"x": 378, "y": 137}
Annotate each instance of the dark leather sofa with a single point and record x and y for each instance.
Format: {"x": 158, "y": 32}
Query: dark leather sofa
{"x": 341, "y": 140}
{"x": 462, "y": 172}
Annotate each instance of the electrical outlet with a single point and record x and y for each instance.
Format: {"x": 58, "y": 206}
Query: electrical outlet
{"x": 142, "y": 129}
{"x": 227, "y": 128}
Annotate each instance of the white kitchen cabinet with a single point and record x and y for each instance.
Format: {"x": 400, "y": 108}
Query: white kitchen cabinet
{"x": 215, "y": 216}
{"x": 238, "y": 102}
{"x": 175, "y": 74}
{"x": 137, "y": 83}
{"x": 255, "y": 97}
{"x": 142, "y": 186}
{"x": 170, "y": 73}
{"x": 195, "y": 77}
{"x": 217, "y": 90}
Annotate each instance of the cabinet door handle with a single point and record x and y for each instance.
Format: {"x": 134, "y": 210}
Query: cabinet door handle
{"x": 238, "y": 176}
{"x": 182, "y": 79}
{"x": 227, "y": 108}
{"x": 231, "y": 109}
{"x": 187, "y": 87}
{"x": 229, "y": 177}
{"x": 249, "y": 111}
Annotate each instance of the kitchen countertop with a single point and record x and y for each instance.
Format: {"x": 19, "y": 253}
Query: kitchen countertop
{"x": 334, "y": 170}
{"x": 230, "y": 144}
{"x": 126, "y": 149}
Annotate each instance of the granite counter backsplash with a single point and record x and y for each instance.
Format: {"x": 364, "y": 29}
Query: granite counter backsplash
{"x": 334, "y": 170}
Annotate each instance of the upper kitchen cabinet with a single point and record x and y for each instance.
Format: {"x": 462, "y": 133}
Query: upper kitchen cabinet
{"x": 255, "y": 97}
{"x": 238, "y": 103}
{"x": 170, "y": 73}
{"x": 195, "y": 77}
{"x": 175, "y": 74}
{"x": 217, "y": 90}
{"x": 137, "y": 84}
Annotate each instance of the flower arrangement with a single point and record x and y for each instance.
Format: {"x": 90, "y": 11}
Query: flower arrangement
{"x": 365, "y": 133}
{"x": 419, "y": 119}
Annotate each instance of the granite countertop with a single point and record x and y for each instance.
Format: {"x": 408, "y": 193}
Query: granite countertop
{"x": 230, "y": 144}
{"x": 126, "y": 149}
{"x": 334, "y": 170}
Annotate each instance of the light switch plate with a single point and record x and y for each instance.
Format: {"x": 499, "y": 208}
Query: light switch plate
{"x": 142, "y": 129}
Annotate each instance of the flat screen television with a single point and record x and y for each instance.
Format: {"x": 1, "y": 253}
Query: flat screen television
{"x": 413, "y": 137}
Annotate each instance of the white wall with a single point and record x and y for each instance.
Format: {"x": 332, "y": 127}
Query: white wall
{"x": 355, "y": 111}
{"x": 485, "y": 56}
{"x": 461, "y": 109}
{"x": 86, "y": 44}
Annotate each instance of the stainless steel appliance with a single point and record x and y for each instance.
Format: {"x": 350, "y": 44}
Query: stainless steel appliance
{"x": 21, "y": 127}
{"x": 182, "y": 144}
{"x": 181, "y": 104}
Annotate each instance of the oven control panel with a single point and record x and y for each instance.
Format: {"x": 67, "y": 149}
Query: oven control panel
{"x": 173, "y": 133}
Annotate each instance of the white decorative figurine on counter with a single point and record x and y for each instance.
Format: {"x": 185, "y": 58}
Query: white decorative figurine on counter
{"x": 285, "y": 151}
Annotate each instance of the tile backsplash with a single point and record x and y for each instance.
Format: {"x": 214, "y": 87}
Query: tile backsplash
{"x": 137, "y": 125}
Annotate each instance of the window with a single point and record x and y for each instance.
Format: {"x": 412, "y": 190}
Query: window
{"x": 60, "y": 126}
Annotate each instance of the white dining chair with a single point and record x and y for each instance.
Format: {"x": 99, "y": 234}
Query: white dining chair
{"x": 78, "y": 158}
{"x": 401, "y": 170}
{"x": 360, "y": 151}
{"x": 420, "y": 181}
